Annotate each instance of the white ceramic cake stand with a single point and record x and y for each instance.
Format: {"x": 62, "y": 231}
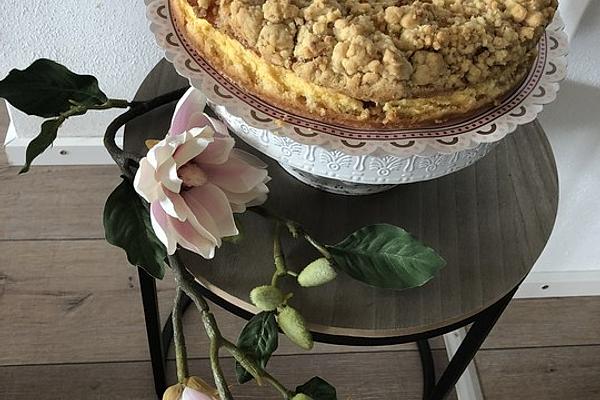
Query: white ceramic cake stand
{"x": 355, "y": 161}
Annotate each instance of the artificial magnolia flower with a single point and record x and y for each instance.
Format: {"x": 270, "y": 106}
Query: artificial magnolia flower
{"x": 195, "y": 180}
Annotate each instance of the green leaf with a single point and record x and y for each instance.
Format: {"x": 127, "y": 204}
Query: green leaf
{"x": 259, "y": 340}
{"x": 47, "y": 89}
{"x": 318, "y": 389}
{"x": 42, "y": 141}
{"x": 127, "y": 225}
{"x": 386, "y": 256}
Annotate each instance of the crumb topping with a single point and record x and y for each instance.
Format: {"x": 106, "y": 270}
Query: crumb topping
{"x": 383, "y": 50}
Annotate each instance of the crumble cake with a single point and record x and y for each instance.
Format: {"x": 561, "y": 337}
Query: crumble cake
{"x": 396, "y": 63}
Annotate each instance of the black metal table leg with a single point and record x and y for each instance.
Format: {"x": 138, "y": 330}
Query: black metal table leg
{"x": 482, "y": 325}
{"x": 468, "y": 348}
{"x": 428, "y": 367}
{"x": 158, "y": 340}
{"x": 153, "y": 330}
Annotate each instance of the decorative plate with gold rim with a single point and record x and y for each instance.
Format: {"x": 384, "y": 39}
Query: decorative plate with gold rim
{"x": 352, "y": 160}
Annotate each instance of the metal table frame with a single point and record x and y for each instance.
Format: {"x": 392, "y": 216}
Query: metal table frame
{"x": 483, "y": 322}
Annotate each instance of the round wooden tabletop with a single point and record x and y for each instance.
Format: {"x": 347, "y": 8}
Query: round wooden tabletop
{"x": 489, "y": 221}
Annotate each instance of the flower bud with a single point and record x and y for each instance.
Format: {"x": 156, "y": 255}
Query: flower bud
{"x": 193, "y": 388}
{"x": 293, "y": 325}
{"x": 192, "y": 394}
{"x": 173, "y": 392}
{"x": 317, "y": 273}
{"x": 266, "y": 298}
{"x": 199, "y": 385}
{"x": 301, "y": 396}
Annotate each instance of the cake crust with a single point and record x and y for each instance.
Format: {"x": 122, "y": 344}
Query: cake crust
{"x": 377, "y": 63}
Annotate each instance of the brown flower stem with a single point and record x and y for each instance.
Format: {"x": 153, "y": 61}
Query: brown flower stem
{"x": 285, "y": 393}
{"x": 295, "y": 229}
{"x": 218, "y": 375}
{"x": 179, "y": 339}
{"x": 187, "y": 283}
{"x": 79, "y": 108}
{"x": 320, "y": 248}
{"x": 125, "y": 160}
{"x": 278, "y": 258}
{"x": 184, "y": 281}
{"x": 257, "y": 372}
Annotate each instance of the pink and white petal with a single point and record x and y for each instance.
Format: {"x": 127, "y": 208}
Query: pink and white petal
{"x": 160, "y": 224}
{"x": 218, "y": 125}
{"x": 217, "y": 205}
{"x": 164, "y": 150}
{"x": 249, "y": 158}
{"x": 254, "y": 197}
{"x": 194, "y": 146}
{"x": 191, "y": 239}
{"x": 145, "y": 183}
{"x": 182, "y": 209}
{"x": 258, "y": 201}
{"x": 262, "y": 193}
{"x": 166, "y": 174}
{"x": 239, "y": 198}
{"x": 237, "y": 208}
{"x": 235, "y": 175}
{"x": 191, "y": 394}
{"x": 217, "y": 152}
{"x": 202, "y": 216}
{"x": 198, "y": 120}
{"x": 192, "y": 102}
{"x": 173, "y": 204}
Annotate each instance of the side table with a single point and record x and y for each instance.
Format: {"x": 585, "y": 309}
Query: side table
{"x": 490, "y": 222}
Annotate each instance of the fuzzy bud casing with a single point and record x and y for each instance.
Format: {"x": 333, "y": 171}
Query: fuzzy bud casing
{"x": 293, "y": 325}
{"x": 266, "y": 298}
{"x": 317, "y": 273}
{"x": 301, "y": 396}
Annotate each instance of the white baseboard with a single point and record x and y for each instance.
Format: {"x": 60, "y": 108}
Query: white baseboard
{"x": 560, "y": 284}
{"x": 65, "y": 151}
{"x": 468, "y": 386}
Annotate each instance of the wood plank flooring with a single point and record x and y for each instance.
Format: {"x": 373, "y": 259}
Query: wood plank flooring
{"x": 549, "y": 374}
{"x": 71, "y": 323}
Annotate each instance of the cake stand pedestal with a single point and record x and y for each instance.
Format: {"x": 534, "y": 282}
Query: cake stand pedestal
{"x": 490, "y": 221}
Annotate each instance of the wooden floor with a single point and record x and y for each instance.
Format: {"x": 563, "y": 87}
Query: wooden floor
{"x": 71, "y": 323}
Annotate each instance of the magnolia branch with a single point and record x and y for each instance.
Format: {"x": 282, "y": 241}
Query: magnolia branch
{"x": 295, "y": 229}
{"x": 127, "y": 161}
{"x": 185, "y": 282}
{"x": 278, "y": 258}
{"x": 178, "y": 338}
{"x": 188, "y": 285}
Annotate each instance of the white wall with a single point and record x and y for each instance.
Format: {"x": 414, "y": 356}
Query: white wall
{"x": 572, "y": 124}
{"x": 106, "y": 38}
